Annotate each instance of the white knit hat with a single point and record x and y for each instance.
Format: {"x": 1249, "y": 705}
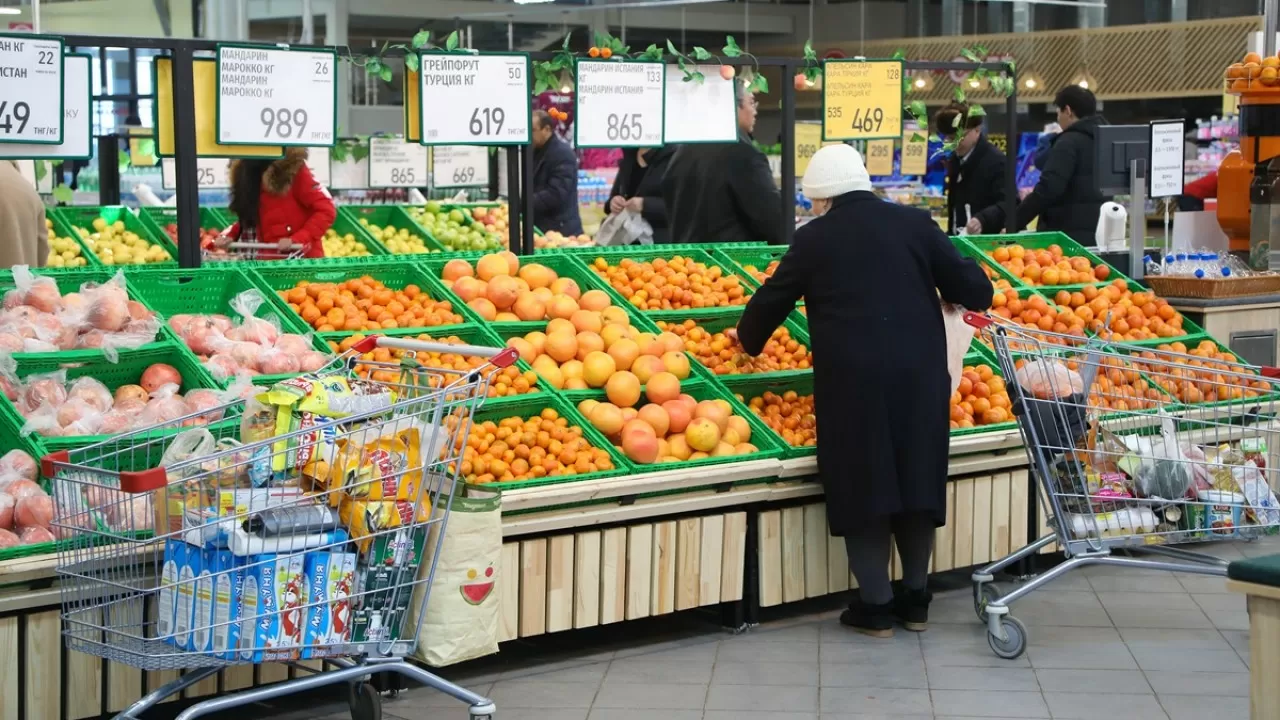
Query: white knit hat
{"x": 835, "y": 170}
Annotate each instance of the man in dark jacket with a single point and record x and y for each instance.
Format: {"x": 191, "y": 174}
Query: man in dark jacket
{"x": 638, "y": 187}
{"x": 724, "y": 193}
{"x": 555, "y": 180}
{"x": 975, "y": 174}
{"x": 1067, "y": 198}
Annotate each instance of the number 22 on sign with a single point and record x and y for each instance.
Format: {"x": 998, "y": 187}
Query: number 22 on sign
{"x": 862, "y": 99}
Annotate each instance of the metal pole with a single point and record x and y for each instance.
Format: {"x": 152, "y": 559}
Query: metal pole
{"x": 1270, "y": 25}
{"x": 788, "y": 151}
{"x": 35, "y": 15}
{"x": 1011, "y": 159}
{"x": 108, "y": 170}
{"x": 1137, "y": 217}
{"x": 526, "y": 185}
{"x": 308, "y": 23}
{"x": 184, "y": 147}
{"x": 514, "y": 206}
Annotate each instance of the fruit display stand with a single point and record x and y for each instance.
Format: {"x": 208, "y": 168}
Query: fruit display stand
{"x": 85, "y": 222}
{"x": 390, "y": 225}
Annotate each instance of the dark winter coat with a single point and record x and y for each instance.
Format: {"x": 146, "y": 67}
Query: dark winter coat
{"x": 979, "y": 183}
{"x": 555, "y": 193}
{"x": 870, "y": 273}
{"x": 1067, "y": 198}
{"x": 291, "y": 205}
{"x": 722, "y": 193}
{"x": 645, "y": 182}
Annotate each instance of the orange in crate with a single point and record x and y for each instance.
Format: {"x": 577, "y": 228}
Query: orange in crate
{"x": 762, "y": 275}
{"x": 506, "y": 382}
{"x": 980, "y": 399}
{"x": 790, "y": 415}
{"x": 365, "y": 304}
{"x": 1049, "y": 266}
{"x": 1210, "y": 375}
{"x": 678, "y": 283}
{"x": 722, "y": 356}
{"x": 517, "y": 448}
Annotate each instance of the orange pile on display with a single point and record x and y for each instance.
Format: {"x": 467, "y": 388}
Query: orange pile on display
{"x": 676, "y": 283}
{"x": 1114, "y": 312}
{"x": 1049, "y": 266}
{"x": 790, "y": 414}
{"x": 671, "y": 427}
{"x": 362, "y": 304}
{"x": 722, "y": 356}
{"x": 505, "y": 382}
{"x": 519, "y": 448}
{"x": 1254, "y": 71}
{"x": 500, "y": 288}
{"x": 980, "y": 399}
{"x": 1210, "y": 375}
{"x": 762, "y": 275}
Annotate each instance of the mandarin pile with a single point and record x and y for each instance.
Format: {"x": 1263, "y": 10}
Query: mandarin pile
{"x": 519, "y": 448}
{"x": 1037, "y": 314}
{"x": 502, "y": 289}
{"x": 1049, "y": 266}
{"x": 671, "y": 427}
{"x": 790, "y": 415}
{"x": 504, "y": 383}
{"x": 366, "y": 304}
{"x": 601, "y": 349}
{"x": 676, "y": 283}
{"x": 762, "y": 275}
{"x": 1114, "y": 312}
{"x": 980, "y": 399}
{"x": 1208, "y": 377}
{"x": 724, "y": 357}
{"x": 997, "y": 282}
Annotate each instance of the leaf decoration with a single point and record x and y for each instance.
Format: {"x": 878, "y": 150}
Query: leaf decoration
{"x": 451, "y": 42}
{"x": 731, "y": 48}
{"x": 421, "y": 39}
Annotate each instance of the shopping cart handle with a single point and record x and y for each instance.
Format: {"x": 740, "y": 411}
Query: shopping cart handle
{"x": 259, "y": 246}
{"x": 501, "y": 357}
{"x": 978, "y": 320}
{"x": 130, "y": 481}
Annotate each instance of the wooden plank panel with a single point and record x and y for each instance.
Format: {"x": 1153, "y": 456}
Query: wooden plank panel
{"x": 10, "y": 659}
{"x": 770, "y": 554}
{"x": 42, "y": 662}
{"x": 613, "y": 576}
{"x": 209, "y": 685}
{"x": 663, "y": 587}
{"x": 944, "y": 539}
{"x": 1020, "y": 491}
{"x": 639, "y": 569}
{"x": 793, "y": 554}
{"x": 1000, "y": 536}
{"x": 815, "y": 550}
{"x": 84, "y": 672}
{"x": 837, "y": 565}
{"x": 711, "y": 556}
{"x": 688, "y": 562}
{"x": 272, "y": 673}
{"x": 586, "y": 579}
{"x": 981, "y": 519}
{"x": 509, "y": 592}
{"x": 964, "y": 523}
{"x": 237, "y": 677}
{"x": 560, "y": 583}
{"x": 735, "y": 553}
{"x": 533, "y": 587}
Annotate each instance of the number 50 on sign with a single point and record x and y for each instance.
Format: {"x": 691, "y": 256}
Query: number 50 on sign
{"x": 861, "y": 99}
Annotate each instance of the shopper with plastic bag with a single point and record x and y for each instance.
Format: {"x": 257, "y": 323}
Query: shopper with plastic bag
{"x": 280, "y": 202}
{"x": 870, "y": 273}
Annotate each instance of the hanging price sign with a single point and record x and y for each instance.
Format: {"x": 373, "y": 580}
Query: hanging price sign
{"x": 276, "y": 96}
{"x": 396, "y": 163}
{"x": 808, "y": 140}
{"x": 31, "y": 89}
{"x": 318, "y": 163}
{"x": 699, "y": 112}
{"x": 861, "y": 99}
{"x": 915, "y": 153}
{"x": 880, "y": 158}
{"x": 211, "y": 173}
{"x": 77, "y": 124}
{"x": 481, "y": 99}
{"x": 619, "y": 104}
{"x": 455, "y": 166}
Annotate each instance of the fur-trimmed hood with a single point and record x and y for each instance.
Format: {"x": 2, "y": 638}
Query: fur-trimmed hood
{"x": 279, "y": 176}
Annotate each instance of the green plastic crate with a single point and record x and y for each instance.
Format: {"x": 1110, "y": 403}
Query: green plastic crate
{"x": 652, "y": 252}
{"x": 752, "y": 386}
{"x": 1035, "y": 241}
{"x": 682, "y": 248}
{"x": 973, "y": 359}
{"x": 159, "y": 217}
{"x": 988, "y": 263}
{"x": 718, "y": 321}
{"x": 345, "y": 224}
{"x": 392, "y": 216}
{"x": 467, "y": 221}
{"x": 79, "y": 217}
{"x": 738, "y": 258}
{"x": 62, "y": 229}
{"x": 1264, "y": 397}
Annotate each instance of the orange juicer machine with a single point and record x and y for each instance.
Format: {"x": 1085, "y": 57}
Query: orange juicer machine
{"x": 1249, "y": 178}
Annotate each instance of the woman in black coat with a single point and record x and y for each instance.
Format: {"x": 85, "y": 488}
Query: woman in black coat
{"x": 638, "y": 187}
{"x": 975, "y": 174}
{"x": 870, "y": 273}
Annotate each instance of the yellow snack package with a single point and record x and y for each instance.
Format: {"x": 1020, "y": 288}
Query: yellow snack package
{"x": 364, "y": 518}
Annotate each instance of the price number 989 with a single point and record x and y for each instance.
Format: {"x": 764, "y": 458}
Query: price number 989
{"x": 283, "y": 123}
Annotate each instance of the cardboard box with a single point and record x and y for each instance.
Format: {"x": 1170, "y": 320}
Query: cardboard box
{"x": 184, "y": 609}
{"x": 202, "y": 614}
{"x": 385, "y": 587}
{"x": 330, "y": 584}
{"x": 175, "y": 554}
{"x": 228, "y": 586}
{"x": 274, "y": 590}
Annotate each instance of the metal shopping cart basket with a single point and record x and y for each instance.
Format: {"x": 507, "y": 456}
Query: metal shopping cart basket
{"x": 1135, "y": 449}
{"x": 237, "y": 251}
{"x": 290, "y": 527}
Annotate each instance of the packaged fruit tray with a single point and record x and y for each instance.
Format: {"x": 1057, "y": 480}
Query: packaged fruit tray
{"x": 208, "y": 291}
{"x": 993, "y": 249}
{"x": 713, "y": 322}
{"x": 83, "y": 219}
{"x": 750, "y": 390}
{"x": 385, "y": 282}
{"x": 62, "y": 233}
{"x": 531, "y": 406}
{"x": 126, "y": 372}
{"x": 764, "y": 443}
{"x": 505, "y": 387}
{"x": 732, "y": 291}
{"x": 391, "y": 220}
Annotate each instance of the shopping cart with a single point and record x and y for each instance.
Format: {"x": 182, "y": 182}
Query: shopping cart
{"x": 236, "y": 251}
{"x": 1135, "y": 449}
{"x": 309, "y": 542}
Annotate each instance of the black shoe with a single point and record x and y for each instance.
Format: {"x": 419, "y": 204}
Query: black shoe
{"x": 911, "y": 607}
{"x": 872, "y": 620}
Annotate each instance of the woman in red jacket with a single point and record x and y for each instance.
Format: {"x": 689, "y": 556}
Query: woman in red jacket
{"x": 279, "y": 201}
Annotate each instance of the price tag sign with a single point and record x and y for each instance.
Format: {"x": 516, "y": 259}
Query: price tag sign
{"x": 482, "y": 99}
{"x": 276, "y": 96}
{"x": 457, "y": 166}
{"x": 915, "y": 152}
{"x": 394, "y": 163}
{"x": 77, "y": 125}
{"x": 861, "y": 99}
{"x": 318, "y": 163}
{"x": 619, "y": 104}
{"x": 808, "y": 140}
{"x": 699, "y": 112}
{"x": 1167, "y": 158}
{"x": 880, "y": 158}
{"x": 31, "y": 89}
{"x": 211, "y": 173}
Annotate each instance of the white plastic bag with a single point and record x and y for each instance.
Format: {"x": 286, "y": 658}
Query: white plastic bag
{"x": 624, "y": 228}
{"x": 959, "y": 337}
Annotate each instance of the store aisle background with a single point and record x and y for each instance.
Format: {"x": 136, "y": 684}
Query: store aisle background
{"x": 1104, "y": 642}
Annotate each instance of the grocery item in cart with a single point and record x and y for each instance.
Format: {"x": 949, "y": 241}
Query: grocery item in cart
{"x": 330, "y": 578}
{"x": 228, "y": 583}
{"x": 366, "y": 518}
{"x": 1051, "y": 397}
{"x": 271, "y": 610}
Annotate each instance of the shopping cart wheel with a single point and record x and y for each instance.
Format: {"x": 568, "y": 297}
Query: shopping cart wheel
{"x": 1015, "y": 642}
{"x": 983, "y": 594}
{"x": 365, "y": 702}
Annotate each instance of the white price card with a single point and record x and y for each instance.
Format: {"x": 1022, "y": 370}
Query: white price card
{"x": 699, "y": 111}
{"x": 474, "y": 99}
{"x": 619, "y": 104}
{"x": 31, "y": 91}
{"x": 211, "y": 173}
{"x": 455, "y": 166}
{"x": 1167, "y": 158}
{"x": 396, "y": 163}
{"x": 77, "y": 124}
{"x": 318, "y": 163}
{"x": 276, "y": 96}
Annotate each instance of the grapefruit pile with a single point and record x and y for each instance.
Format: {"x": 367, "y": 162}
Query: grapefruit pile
{"x": 1049, "y": 266}
{"x": 670, "y": 427}
{"x": 362, "y": 304}
{"x": 724, "y": 357}
{"x": 790, "y": 414}
{"x": 601, "y": 349}
{"x": 505, "y": 383}
{"x": 501, "y": 289}
{"x": 676, "y": 283}
{"x": 527, "y": 448}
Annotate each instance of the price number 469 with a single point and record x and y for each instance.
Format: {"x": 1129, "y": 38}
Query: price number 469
{"x": 868, "y": 121}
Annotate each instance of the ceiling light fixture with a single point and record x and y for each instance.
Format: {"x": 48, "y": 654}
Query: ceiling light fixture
{"x": 10, "y": 11}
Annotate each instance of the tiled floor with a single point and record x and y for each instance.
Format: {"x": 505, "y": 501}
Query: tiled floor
{"x": 1104, "y": 643}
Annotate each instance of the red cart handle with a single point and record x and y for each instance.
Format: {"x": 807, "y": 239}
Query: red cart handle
{"x": 501, "y": 357}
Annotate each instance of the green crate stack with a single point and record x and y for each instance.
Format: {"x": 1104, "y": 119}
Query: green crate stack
{"x": 60, "y": 228}
{"x": 528, "y": 406}
{"x": 984, "y": 244}
{"x": 390, "y": 216}
{"x": 746, "y": 387}
{"x": 652, "y": 252}
{"x": 126, "y": 372}
{"x": 210, "y": 290}
{"x": 715, "y": 321}
{"x": 1268, "y": 396}
{"x": 82, "y": 217}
